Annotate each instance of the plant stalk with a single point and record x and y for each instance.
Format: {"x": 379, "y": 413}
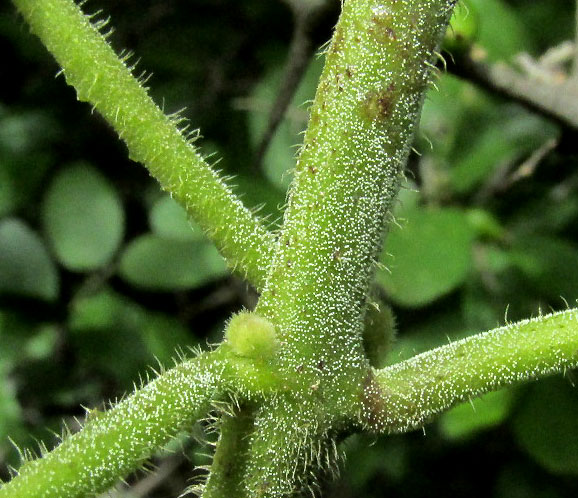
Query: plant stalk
{"x": 407, "y": 395}
{"x": 160, "y": 142}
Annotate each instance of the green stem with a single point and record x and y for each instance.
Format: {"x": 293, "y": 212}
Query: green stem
{"x": 116, "y": 442}
{"x": 347, "y": 177}
{"x": 154, "y": 139}
{"x": 229, "y": 462}
{"x": 348, "y": 174}
{"x": 406, "y": 395}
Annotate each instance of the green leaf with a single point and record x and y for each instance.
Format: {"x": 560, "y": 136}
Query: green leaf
{"x": 22, "y": 132}
{"x": 463, "y": 29}
{"x": 120, "y": 337}
{"x": 83, "y": 218}
{"x": 10, "y": 412}
{"x": 549, "y": 263}
{"x": 7, "y": 192}
{"x": 26, "y": 268}
{"x": 280, "y": 156}
{"x": 429, "y": 257}
{"x": 154, "y": 263}
{"x": 501, "y": 33}
{"x": 257, "y": 193}
{"x": 432, "y": 332}
{"x": 505, "y": 138}
{"x": 546, "y": 426}
{"x": 169, "y": 220}
{"x": 482, "y": 413}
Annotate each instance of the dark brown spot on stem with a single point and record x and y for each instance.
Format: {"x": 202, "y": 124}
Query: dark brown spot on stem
{"x": 378, "y": 105}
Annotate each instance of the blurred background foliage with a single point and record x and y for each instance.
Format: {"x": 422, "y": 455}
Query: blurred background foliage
{"x": 101, "y": 277}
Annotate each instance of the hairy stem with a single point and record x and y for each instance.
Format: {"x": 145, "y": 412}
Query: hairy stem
{"x": 347, "y": 177}
{"x": 406, "y": 395}
{"x": 229, "y": 462}
{"x": 101, "y": 78}
{"x": 116, "y": 442}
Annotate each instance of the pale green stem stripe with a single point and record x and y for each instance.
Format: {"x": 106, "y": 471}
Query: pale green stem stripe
{"x": 102, "y": 79}
{"x": 378, "y": 68}
{"x": 405, "y": 396}
{"x": 116, "y": 442}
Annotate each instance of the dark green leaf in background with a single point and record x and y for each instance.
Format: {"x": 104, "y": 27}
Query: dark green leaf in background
{"x": 154, "y": 263}
{"x": 546, "y": 425}
{"x": 169, "y": 220}
{"x": 501, "y": 32}
{"x": 482, "y": 413}
{"x": 122, "y": 338}
{"x": 428, "y": 257}
{"x": 26, "y": 268}
{"x": 83, "y": 218}
{"x": 280, "y": 157}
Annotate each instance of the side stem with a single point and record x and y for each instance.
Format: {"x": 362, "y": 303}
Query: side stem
{"x": 405, "y": 396}
{"x": 116, "y": 442}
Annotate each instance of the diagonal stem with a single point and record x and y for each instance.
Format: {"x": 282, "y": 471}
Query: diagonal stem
{"x": 103, "y": 79}
{"x": 116, "y": 442}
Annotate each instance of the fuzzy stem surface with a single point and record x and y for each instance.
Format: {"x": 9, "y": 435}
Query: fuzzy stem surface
{"x": 117, "y": 441}
{"x": 360, "y": 130}
{"x": 406, "y": 395}
{"x": 105, "y": 81}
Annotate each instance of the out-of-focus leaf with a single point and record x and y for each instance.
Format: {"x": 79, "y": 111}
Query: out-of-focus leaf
{"x": 7, "y": 192}
{"x": 482, "y": 413}
{"x": 501, "y": 32}
{"x": 367, "y": 458}
{"x": 43, "y": 343}
{"x": 26, "y": 268}
{"x": 257, "y": 193}
{"x": 109, "y": 328}
{"x": 463, "y": 29}
{"x": 433, "y": 332}
{"x": 444, "y": 110}
{"x": 83, "y": 218}
{"x": 10, "y": 412}
{"x": 552, "y": 213}
{"x": 22, "y": 132}
{"x": 430, "y": 256}
{"x": 106, "y": 309}
{"x": 551, "y": 264}
{"x": 545, "y": 425}
{"x": 279, "y": 159}
{"x": 485, "y": 224}
{"x": 515, "y": 481}
{"x": 169, "y": 220}
{"x": 154, "y": 263}
{"x": 506, "y": 138}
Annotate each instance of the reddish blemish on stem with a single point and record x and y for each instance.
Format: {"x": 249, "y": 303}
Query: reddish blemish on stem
{"x": 378, "y": 105}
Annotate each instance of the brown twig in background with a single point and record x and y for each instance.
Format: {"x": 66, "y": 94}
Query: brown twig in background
{"x": 550, "y": 93}
{"x": 306, "y": 16}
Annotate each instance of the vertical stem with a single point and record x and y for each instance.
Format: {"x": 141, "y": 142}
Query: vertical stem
{"x": 347, "y": 177}
{"x": 229, "y": 462}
